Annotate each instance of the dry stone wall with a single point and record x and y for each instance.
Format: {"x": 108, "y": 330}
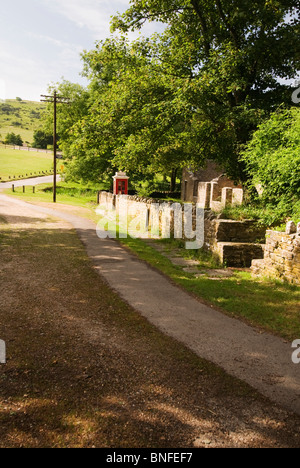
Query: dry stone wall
{"x": 161, "y": 218}
{"x": 235, "y": 243}
{"x": 282, "y": 256}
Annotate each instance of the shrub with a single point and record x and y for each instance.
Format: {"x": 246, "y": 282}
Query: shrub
{"x": 13, "y": 139}
{"x": 42, "y": 139}
{"x": 273, "y": 161}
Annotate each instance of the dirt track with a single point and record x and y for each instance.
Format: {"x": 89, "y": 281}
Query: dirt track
{"x": 86, "y": 370}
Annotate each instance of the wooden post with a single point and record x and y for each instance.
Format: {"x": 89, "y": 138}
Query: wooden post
{"x": 23, "y": 188}
{"x": 54, "y": 149}
{"x": 55, "y": 99}
{"x": 13, "y": 187}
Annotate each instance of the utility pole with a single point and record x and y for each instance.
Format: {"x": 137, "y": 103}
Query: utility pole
{"x": 55, "y": 99}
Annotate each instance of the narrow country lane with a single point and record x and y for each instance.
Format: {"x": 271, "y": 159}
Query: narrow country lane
{"x": 28, "y": 182}
{"x": 85, "y": 369}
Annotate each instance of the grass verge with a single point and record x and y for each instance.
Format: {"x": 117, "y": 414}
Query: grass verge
{"x": 19, "y": 163}
{"x": 271, "y": 305}
{"x": 70, "y": 193}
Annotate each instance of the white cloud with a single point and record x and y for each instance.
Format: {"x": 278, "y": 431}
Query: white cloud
{"x": 68, "y": 54}
{"x": 28, "y": 77}
{"x": 95, "y": 15}
{"x": 24, "y": 78}
{"x": 49, "y": 39}
{"x": 46, "y": 38}
{"x": 92, "y": 14}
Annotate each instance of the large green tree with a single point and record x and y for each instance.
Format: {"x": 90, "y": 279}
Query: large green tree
{"x": 13, "y": 139}
{"x": 136, "y": 118}
{"x": 272, "y": 158}
{"x": 42, "y": 139}
{"x": 229, "y": 56}
{"x": 196, "y": 91}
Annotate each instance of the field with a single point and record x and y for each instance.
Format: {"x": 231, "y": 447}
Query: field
{"x": 20, "y": 117}
{"x": 15, "y": 163}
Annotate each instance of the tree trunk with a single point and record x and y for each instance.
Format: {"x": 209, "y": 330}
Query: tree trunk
{"x": 173, "y": 180}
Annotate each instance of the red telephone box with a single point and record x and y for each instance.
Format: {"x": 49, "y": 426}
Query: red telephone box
{"x": 121, "y": 183}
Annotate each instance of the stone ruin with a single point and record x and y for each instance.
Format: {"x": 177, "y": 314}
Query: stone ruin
{"x": 281, "y": 255}
{"x": 211, "y": 188}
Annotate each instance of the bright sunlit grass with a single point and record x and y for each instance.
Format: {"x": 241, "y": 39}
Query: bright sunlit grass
{"x": 18, "y": 163}
{"x": 271, "y": 305}
{"x": 70, "y": 193}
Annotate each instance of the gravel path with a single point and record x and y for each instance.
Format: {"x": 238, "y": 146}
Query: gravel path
{"x": 260, "y": 359}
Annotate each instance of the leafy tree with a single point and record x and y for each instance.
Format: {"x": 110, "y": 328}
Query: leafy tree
{"x": 13, "y": 139}
{"x": 228, "y": 55}
{"x": 42, "y": 139}
{"x": 135, "y": 121}
{"x": 272, "y": 157}
{"x": 196, "y": 91}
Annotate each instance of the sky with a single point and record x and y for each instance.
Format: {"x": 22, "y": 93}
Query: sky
{"x": 41, "y": 41}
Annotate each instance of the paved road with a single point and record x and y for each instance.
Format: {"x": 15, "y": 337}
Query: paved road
{"x": 30, "y": 182}
{"x": 262, "y": 360}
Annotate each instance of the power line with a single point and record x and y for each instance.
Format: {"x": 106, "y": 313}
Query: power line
{"x": 55, "y": 99}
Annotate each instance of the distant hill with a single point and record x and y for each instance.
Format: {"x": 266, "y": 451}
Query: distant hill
{"x": 20, "y": 117}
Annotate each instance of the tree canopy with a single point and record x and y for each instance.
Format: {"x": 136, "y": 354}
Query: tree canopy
{"x": 42, "y": 139}
{"x": 273, "y": 158}
{"x": 233, "y": 54}
{"x": 13, "y": 139}
{"x": 196, "y": 91}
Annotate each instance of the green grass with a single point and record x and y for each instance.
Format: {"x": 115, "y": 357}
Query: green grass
{"x": 272, "y": 305}
{"x": 206, "y": 259}
{"x": 69, "y": 193}
{"x": 18, "y": 163}
{"x": 22, "y": 118}
{"x": 265, "y": 214}
{"x": 268, "y": 304}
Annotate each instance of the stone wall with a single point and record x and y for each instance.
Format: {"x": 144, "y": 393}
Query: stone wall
{"x": 282, "y": 256}
{"x": 216, "y": 195}
{"x": 235, "y": 243}
{"x": 228, "y": 230}
{"x": 107, "y": 200}
{"x": 158, "y": 217}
